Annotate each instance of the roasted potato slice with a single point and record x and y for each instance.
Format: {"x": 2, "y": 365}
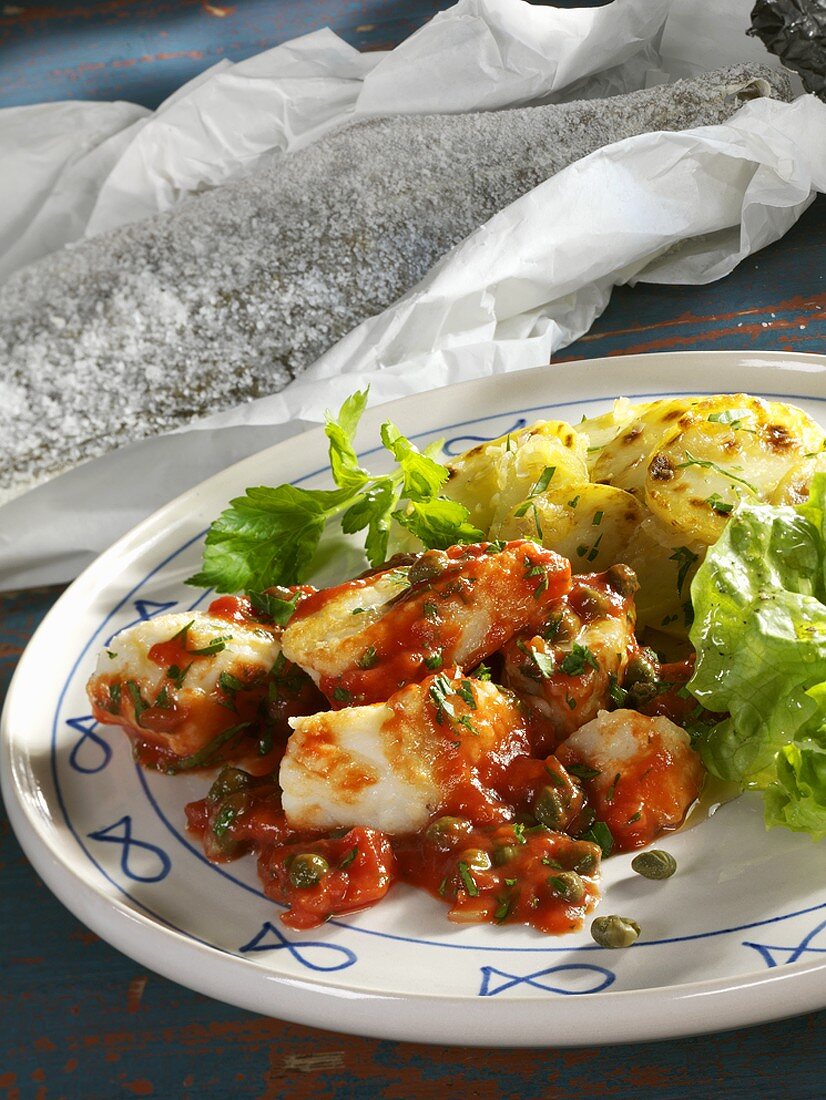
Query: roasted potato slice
{"x": 623, "y": 460}
{"x": 589, "y": 524}
{"x": 793, "y": 487}
{"x": 497, "y": 476}
{"x": 665, "y": 562}
{"x": 723, "y": 450}
{"x": 603, "y": 429}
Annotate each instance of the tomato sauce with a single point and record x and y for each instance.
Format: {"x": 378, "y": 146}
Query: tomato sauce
{"x": 426, "y": 629}
{"x": 244, "y": 718}
{"x": 519, "y": 833}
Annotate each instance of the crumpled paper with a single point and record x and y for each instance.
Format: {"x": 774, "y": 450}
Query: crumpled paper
{"x": 661, "y": 207}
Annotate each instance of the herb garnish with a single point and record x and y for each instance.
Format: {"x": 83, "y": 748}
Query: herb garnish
{"x": 468, "y": 881}
{"x": 368, "y": 658}
{"x": 685, "y": 558}
{"x": 583, "y": 771}
{"x": 207, "y": 753}
{"x": 574, "y": 663}
{"x": 539, "y": 486}
{"x": 600, "y": 834}
{"x": 349, "y": 857}
{"x": 270, "y": 535}
{"x": 707, "y": 464}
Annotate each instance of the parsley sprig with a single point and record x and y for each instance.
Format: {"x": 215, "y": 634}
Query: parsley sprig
{"x": 270, "y": 535}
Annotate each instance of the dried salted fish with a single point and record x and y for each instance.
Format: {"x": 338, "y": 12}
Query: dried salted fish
{"x": 229, "y": 296}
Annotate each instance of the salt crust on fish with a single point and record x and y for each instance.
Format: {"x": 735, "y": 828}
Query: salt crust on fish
{"x": 232, "y": 294}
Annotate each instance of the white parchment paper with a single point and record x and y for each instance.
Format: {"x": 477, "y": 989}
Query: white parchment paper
{"x": 666, "y": 208}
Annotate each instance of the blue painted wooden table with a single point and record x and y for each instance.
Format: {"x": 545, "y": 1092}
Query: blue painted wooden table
{"x": 80, "y": 1020}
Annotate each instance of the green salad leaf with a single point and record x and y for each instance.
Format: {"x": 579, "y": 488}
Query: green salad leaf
{"x": 760, "y": 635}
{"x": 270, "y": 535}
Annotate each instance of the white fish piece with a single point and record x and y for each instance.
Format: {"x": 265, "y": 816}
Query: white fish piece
{"x": 567, "y": 670}
{"x": 393, "y": 765}
{"x": 367, "y": 638}
{"x": 647, "y": 773}
{"x": 169, "y": 680}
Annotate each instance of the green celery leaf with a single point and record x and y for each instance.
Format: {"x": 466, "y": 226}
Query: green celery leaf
{"x": 266, "y": 537}
{"x": 373, "y": 510}
{"x": 373, "y": 500}
{"x": 439, "y": 523}
{"x": 344, "y": 463}
{"x": 423, "y": 476}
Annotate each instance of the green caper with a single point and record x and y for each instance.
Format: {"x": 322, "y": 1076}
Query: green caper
{"x": 641, "y": 680}
{"x": 615, "y": 931}
{"x": 655, "y": 864}
{"x": 622, "y": 579}
{"x": 593, "y": 603}
{"x": 585, "y": 864}
{"x": 568, "y": 886}
{"x": 307, "y": 869}
{"x": 219, "y": 841}
{"x": 446, "y": 832}
{"x": 643, "y": 668}
{"x": 563, "y": 626}
{"x": 477, "y": 859}
{"x": 504, "y": 854}
{"x": 228, "y": 781}
{"x": 428, "y": 566}
{"x": 549, "y": 807}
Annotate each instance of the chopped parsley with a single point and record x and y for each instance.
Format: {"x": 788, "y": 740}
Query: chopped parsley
{"x": 465, "y": 691}
{"x": 544, "y": 662}
{"x": 618, "y": 695}
{"x": 230, "y": 685}
{"x": 503, "y": 908}
{"x": 600, "y": 834}
{"x": 207, "y": 753}
{"x": 349, "y": 857}
{"x": 592, "y": 553}
{"x": 439, "y": 691}
{"x": 468, "y": 880}
{"x": 583, "y": 771}
{"x": 139, "y": 704}
{"x": 539, "y": 486}
{"x": 216, "y": 645}
{"x": 177, "y": 674}
{"x": 707, "y": 464}
{"x": 279, "y": 610}
{"x": 718, "y": 505}
{"x": 368, "y": 658}
{"x": 685, "y": 558}
{"x": 580, "y": 657}
{"x": 610, "y": 794}
{"x": 114, "y": 697}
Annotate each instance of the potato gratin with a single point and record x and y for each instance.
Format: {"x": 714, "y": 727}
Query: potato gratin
{"x": 486, "y": 718}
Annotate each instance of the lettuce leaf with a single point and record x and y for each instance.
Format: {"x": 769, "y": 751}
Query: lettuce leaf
{"x": 760, "y": 635}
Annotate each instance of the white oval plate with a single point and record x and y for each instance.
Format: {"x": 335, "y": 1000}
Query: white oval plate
{"x": 737, "y": 937}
